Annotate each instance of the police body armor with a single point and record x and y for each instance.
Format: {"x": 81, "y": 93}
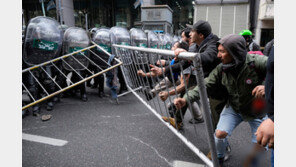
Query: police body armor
{"x": 76, "y": 39}
{"x": 43, "y": 40}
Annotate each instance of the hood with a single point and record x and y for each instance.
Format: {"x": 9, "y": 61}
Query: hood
{"x": 236, "y": 47}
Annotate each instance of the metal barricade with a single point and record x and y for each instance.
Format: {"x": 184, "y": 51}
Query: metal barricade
{"x": 56, "y": 65}
{"x": 151, "y": 95}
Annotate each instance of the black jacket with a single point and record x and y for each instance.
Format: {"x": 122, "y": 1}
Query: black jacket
{"x": 269, "y": 85}
{"x": 208, "y": 52}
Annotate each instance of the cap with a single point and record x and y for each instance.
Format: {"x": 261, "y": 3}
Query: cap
{"x": 201, "y": 26}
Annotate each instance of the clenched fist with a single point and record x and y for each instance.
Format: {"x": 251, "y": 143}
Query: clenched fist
{"x": 179, "y": 103}
{"x": 163, "y": 95}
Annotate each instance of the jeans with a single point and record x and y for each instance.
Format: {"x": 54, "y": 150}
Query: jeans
{"x": 228, "y": 121}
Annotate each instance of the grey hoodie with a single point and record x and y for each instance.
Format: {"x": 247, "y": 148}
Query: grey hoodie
{"x": 236, "y": 47}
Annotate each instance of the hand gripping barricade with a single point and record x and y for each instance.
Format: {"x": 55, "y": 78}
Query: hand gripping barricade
{"x": 160, "y": 104}
{"x": 75, "y": 59}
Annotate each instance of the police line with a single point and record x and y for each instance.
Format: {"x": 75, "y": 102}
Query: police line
{"x": 63, "y": 59}
{"x": 137, "y": 72}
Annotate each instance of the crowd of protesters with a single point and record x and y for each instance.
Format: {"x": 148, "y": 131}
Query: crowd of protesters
{"x": 235, "y": 71}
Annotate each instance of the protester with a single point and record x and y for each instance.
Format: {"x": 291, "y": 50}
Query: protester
{"x": 238, "y": 90}
{"x": 185, "y": 35}
{"x": 251, "y": 45}
{"x": 203, "y": 42}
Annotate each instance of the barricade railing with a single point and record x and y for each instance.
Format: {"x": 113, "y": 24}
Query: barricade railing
{"x": 155, "y": 88}
{"x": 57, "y": 71}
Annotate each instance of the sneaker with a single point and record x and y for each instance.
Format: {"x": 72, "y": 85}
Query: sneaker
{"x": 196, "y": 121}
{"x": 226, "y": 157}
{"x": 172, "y": 122}
{"x": 220, "y": 160}
{"x": 227, "y": 153}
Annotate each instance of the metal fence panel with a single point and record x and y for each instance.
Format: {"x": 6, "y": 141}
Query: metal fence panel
{"x": 157, "y": 91}
{"x": 56, "y": 64}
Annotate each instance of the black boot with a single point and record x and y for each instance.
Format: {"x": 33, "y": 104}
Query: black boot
{"x": 25, "y": 113}
{"x": 49, "y": 106}
{"x": 36, "y": 110}
{"x": 221, "y": 161}
{"x": 83, "y": 97}
{"x": 101, "y": 94}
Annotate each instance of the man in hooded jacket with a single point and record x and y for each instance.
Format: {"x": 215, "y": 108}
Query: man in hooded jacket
{"x": 239, "y": 77}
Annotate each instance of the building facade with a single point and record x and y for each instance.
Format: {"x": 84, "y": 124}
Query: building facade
{"x": 265, "y": 23}
{"x": 107, "y": 13}
{"x": 232, "y": 16}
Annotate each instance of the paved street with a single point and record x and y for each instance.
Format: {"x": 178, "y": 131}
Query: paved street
{"x": 101, "y": 133}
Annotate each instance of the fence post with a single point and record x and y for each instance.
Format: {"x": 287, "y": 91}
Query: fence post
{"x": 206, "y": 107}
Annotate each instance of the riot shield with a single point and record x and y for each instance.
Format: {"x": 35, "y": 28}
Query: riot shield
{"x": 43, "y": 40}
{"x": 168, "y": 41}
{"x": 161, "y": 41}
{"x": 76, "y": 39}
{"x": 64, "y": 27}
{"x": 120, "y": 36}
{"x": 93, "y": 31}
{"x": 139, "y": 39}
{"x": 102, "y": 38}
{"x": 153, "y": 42}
